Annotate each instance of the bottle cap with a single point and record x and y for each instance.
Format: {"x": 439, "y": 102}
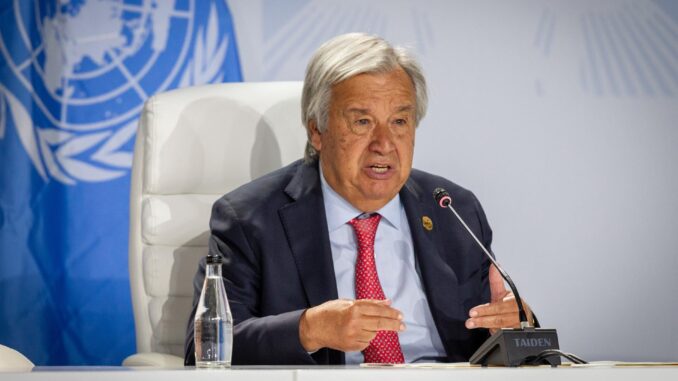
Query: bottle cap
{"x": 214, "y": 259}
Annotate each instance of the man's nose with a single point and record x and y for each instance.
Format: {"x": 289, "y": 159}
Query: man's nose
{"x": 382, "y": 138}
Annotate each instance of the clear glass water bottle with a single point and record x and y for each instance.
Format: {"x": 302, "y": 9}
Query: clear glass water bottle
{"x": 213, "y": 320}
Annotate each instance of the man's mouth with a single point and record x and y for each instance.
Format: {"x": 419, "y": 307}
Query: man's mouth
{"x": 379, "y": 168}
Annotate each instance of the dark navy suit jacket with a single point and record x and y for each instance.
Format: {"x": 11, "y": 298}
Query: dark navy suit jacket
{"x": 273, "y": 235}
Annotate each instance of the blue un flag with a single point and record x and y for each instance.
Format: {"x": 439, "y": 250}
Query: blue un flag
{"x": 73, "y": 78}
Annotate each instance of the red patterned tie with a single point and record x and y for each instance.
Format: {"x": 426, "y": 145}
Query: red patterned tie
{"x": 385, "y": 347}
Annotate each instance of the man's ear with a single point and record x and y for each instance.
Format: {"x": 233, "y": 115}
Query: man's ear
{"x": 314, "y": 135}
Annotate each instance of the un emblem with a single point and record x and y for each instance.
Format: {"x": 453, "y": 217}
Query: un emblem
{"x": 76, "y": 73}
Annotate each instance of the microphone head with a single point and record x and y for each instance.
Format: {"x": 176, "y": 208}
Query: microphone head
{"x": 442, "y": 197}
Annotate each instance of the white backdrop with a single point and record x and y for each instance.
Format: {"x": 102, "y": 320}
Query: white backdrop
{"x": 562, "y": 117}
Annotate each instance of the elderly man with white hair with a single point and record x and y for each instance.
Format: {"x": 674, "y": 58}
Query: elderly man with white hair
{"x": 344, "y": 257}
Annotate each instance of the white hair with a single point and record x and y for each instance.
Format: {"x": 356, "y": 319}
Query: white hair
{"x": 346, "y": 56}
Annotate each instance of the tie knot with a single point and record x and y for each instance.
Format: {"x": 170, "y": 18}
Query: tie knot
{"x": 365, "y": 229}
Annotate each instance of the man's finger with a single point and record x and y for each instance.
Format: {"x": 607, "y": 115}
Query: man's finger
{"x": 497, "y": 287}
{"x": 374, "y": 324}
{"x": 494, "y": 321}
{"x": 380, "y": 302}
{"x": 504, "y": 306}
{"x": 376, "y": 309}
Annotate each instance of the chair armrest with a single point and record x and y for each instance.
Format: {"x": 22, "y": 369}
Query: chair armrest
{"x": 154, "y": 359}
{"x": 13, "y": 361}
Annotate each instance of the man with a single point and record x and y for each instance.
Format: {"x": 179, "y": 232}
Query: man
{"x": 345, "y": 257}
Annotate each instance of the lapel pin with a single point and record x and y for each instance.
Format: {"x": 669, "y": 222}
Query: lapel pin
{"x": 427, "y": 222}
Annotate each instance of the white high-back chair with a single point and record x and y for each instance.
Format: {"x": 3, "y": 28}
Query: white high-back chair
{"x": 193, "y": 146}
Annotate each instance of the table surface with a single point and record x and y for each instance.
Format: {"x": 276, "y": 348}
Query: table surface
{"x": 347, "y": 373}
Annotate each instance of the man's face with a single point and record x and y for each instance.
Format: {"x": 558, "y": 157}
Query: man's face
{"x": 366, "y": 150}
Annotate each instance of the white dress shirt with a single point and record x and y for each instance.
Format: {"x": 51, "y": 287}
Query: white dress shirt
{"x": 394, "y": 257}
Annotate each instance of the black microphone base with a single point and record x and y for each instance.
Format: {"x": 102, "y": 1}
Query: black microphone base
{"x": 513, "y": 347}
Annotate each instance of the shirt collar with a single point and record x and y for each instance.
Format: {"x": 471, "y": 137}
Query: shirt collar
{"x": 338, "y": 211}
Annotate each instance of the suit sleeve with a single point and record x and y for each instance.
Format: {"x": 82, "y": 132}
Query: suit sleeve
{"x": 257, "y": 339}
{"x": 486, "y": 238}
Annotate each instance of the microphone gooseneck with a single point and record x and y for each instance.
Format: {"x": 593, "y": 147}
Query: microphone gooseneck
{"x": 444, "y": 200}
{"x": 509, "y": 346}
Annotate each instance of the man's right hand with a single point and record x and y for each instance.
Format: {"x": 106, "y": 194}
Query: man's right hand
{"x": 347, "y": 325}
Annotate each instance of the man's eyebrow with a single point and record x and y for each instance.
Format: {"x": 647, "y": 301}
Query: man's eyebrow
{"x": 358, "y": 110}
{"x": 405, "y": 108}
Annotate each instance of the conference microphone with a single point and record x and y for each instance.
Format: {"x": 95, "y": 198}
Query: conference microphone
{"x": 510, "y": 346}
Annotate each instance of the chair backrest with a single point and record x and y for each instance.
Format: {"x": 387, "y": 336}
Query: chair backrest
{"x": 193, "y": 146}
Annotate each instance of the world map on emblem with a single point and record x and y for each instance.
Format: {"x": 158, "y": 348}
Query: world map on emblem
{"x": 81, "y": 71}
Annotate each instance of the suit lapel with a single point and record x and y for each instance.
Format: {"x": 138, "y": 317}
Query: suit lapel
{"x": 305, "y": 226}
{"x": 439, "y": 279}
